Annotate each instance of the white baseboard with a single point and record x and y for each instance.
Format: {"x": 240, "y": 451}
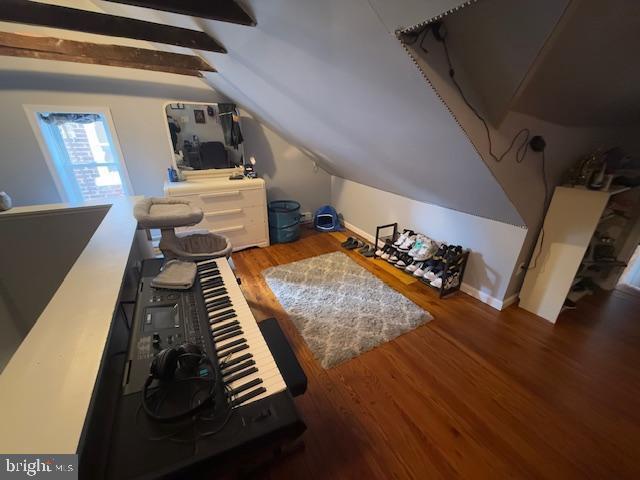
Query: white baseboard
{"x": 362, "y": 233}
{"x": 486, "y": 298}
{"x": 510, "y": 300}
{"x": 466, "y": 288}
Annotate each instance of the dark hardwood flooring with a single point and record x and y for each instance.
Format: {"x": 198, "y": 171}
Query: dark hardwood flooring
{"x": 475, "y": 393}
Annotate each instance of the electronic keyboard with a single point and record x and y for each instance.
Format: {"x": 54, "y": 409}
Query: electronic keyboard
{"x": 240, "y": 347}
{"x": 253, "y": 407}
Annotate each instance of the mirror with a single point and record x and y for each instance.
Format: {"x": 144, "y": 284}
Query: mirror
{"x": 204, "y": 137}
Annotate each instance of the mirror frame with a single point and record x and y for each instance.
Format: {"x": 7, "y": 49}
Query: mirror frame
{"x": 212, "y": 172}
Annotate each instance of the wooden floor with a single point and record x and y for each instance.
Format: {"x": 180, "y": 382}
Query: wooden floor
{"x": 475, "y": 393}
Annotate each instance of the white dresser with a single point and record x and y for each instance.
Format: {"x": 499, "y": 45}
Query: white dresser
{"x": 236, "y": 209}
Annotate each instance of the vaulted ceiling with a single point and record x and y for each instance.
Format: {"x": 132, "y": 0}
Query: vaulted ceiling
{"x": 332, "y": 78}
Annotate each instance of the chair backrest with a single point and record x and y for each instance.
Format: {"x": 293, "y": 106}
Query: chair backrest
{"x": 213, "y": 155}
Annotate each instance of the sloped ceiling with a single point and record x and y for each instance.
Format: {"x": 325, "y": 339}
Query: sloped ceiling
{"x": 331, "y": 78}
{"x": 589, "y": 74}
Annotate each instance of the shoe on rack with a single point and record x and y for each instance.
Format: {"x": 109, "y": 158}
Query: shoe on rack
{"x": 393, "y": 258}
{"x": 430, "y": 275}
{"x": 387, "y": 252}
{"x": 428, "y": 250}
{"x": 402, "y": 238}
{"x": 382, "y": 249}
{"x": 408, "y": 244}
{"x": 420, "y": 241}
{"x": 413, "y": 267}
{"x": 437, "y": 282}
{"x": 403, "y": 260}
{"x": 442, "y": 263}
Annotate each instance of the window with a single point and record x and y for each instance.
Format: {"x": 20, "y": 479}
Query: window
{"x": 82, "y": 153}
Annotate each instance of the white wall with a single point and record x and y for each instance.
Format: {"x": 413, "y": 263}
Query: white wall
{"x": 494, "y": 245}
{"x": 290, "y": 174}
{"x": 136, "y": 100}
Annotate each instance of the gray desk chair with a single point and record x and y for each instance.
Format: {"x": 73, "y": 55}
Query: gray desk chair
{"x": 169, "y": 213}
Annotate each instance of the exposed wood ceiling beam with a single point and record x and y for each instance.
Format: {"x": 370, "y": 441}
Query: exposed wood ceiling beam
{"x": 223, "y": 10}
{"x": 24, "y": 53}
{"x": 105, "y": 52}
{"x": 54, "y": 16}
{"x": 49, "y": 48}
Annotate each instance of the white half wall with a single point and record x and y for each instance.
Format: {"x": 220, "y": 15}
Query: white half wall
{"x": 494, "y": 245}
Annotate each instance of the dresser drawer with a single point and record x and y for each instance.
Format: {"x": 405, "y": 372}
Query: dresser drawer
{"x": 228, "y": 200}
{"x": 233, "y": 216}
{"x": 244, "y": 235}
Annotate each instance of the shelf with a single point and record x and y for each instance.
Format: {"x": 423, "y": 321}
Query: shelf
{"x": 614, "y": 189}
{"x": 605, "y": 263}
{"x": 618, "y": 189}
{"x": 606, "y": 218}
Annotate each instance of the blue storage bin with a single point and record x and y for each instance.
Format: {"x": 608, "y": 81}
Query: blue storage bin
{"x": 284, "y": 221}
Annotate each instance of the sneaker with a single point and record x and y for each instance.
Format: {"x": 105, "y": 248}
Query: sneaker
{"x": 387, "y": 250}
{"x": 419, "y": 272}
{"x": 441, "y": 263}
{"x": 393, "y": 258}
{"x": 429, "y": 275}
{"x": 428, "y": 250}
{"x": 408, "y": 243}
{"x": 413, "y": 267}
{"x": 420, "y": 239}
{"x": 403, "y": 261}
{"x": 383, "y": 249}
{"x": 437, "y": 282}
{"x": 402, "y": 238}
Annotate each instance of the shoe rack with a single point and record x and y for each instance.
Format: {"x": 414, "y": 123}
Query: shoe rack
{"x": 451, "y": 277}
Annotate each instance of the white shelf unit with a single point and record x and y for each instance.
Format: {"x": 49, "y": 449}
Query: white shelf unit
{"x": 574, "y": 216}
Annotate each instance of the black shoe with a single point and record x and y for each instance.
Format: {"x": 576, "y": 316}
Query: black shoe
{"x": 347, "y": 241}
{"x": 371, "y": 252}
{"x": 355, "y": 244}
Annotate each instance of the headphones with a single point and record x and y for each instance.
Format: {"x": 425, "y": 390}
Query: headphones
{"x": 184, "y": 358}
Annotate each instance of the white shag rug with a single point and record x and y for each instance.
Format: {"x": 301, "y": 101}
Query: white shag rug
{"x": 340, "y": 308}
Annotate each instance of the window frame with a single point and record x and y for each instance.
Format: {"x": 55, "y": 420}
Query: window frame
{"x": 32, "y": 112}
